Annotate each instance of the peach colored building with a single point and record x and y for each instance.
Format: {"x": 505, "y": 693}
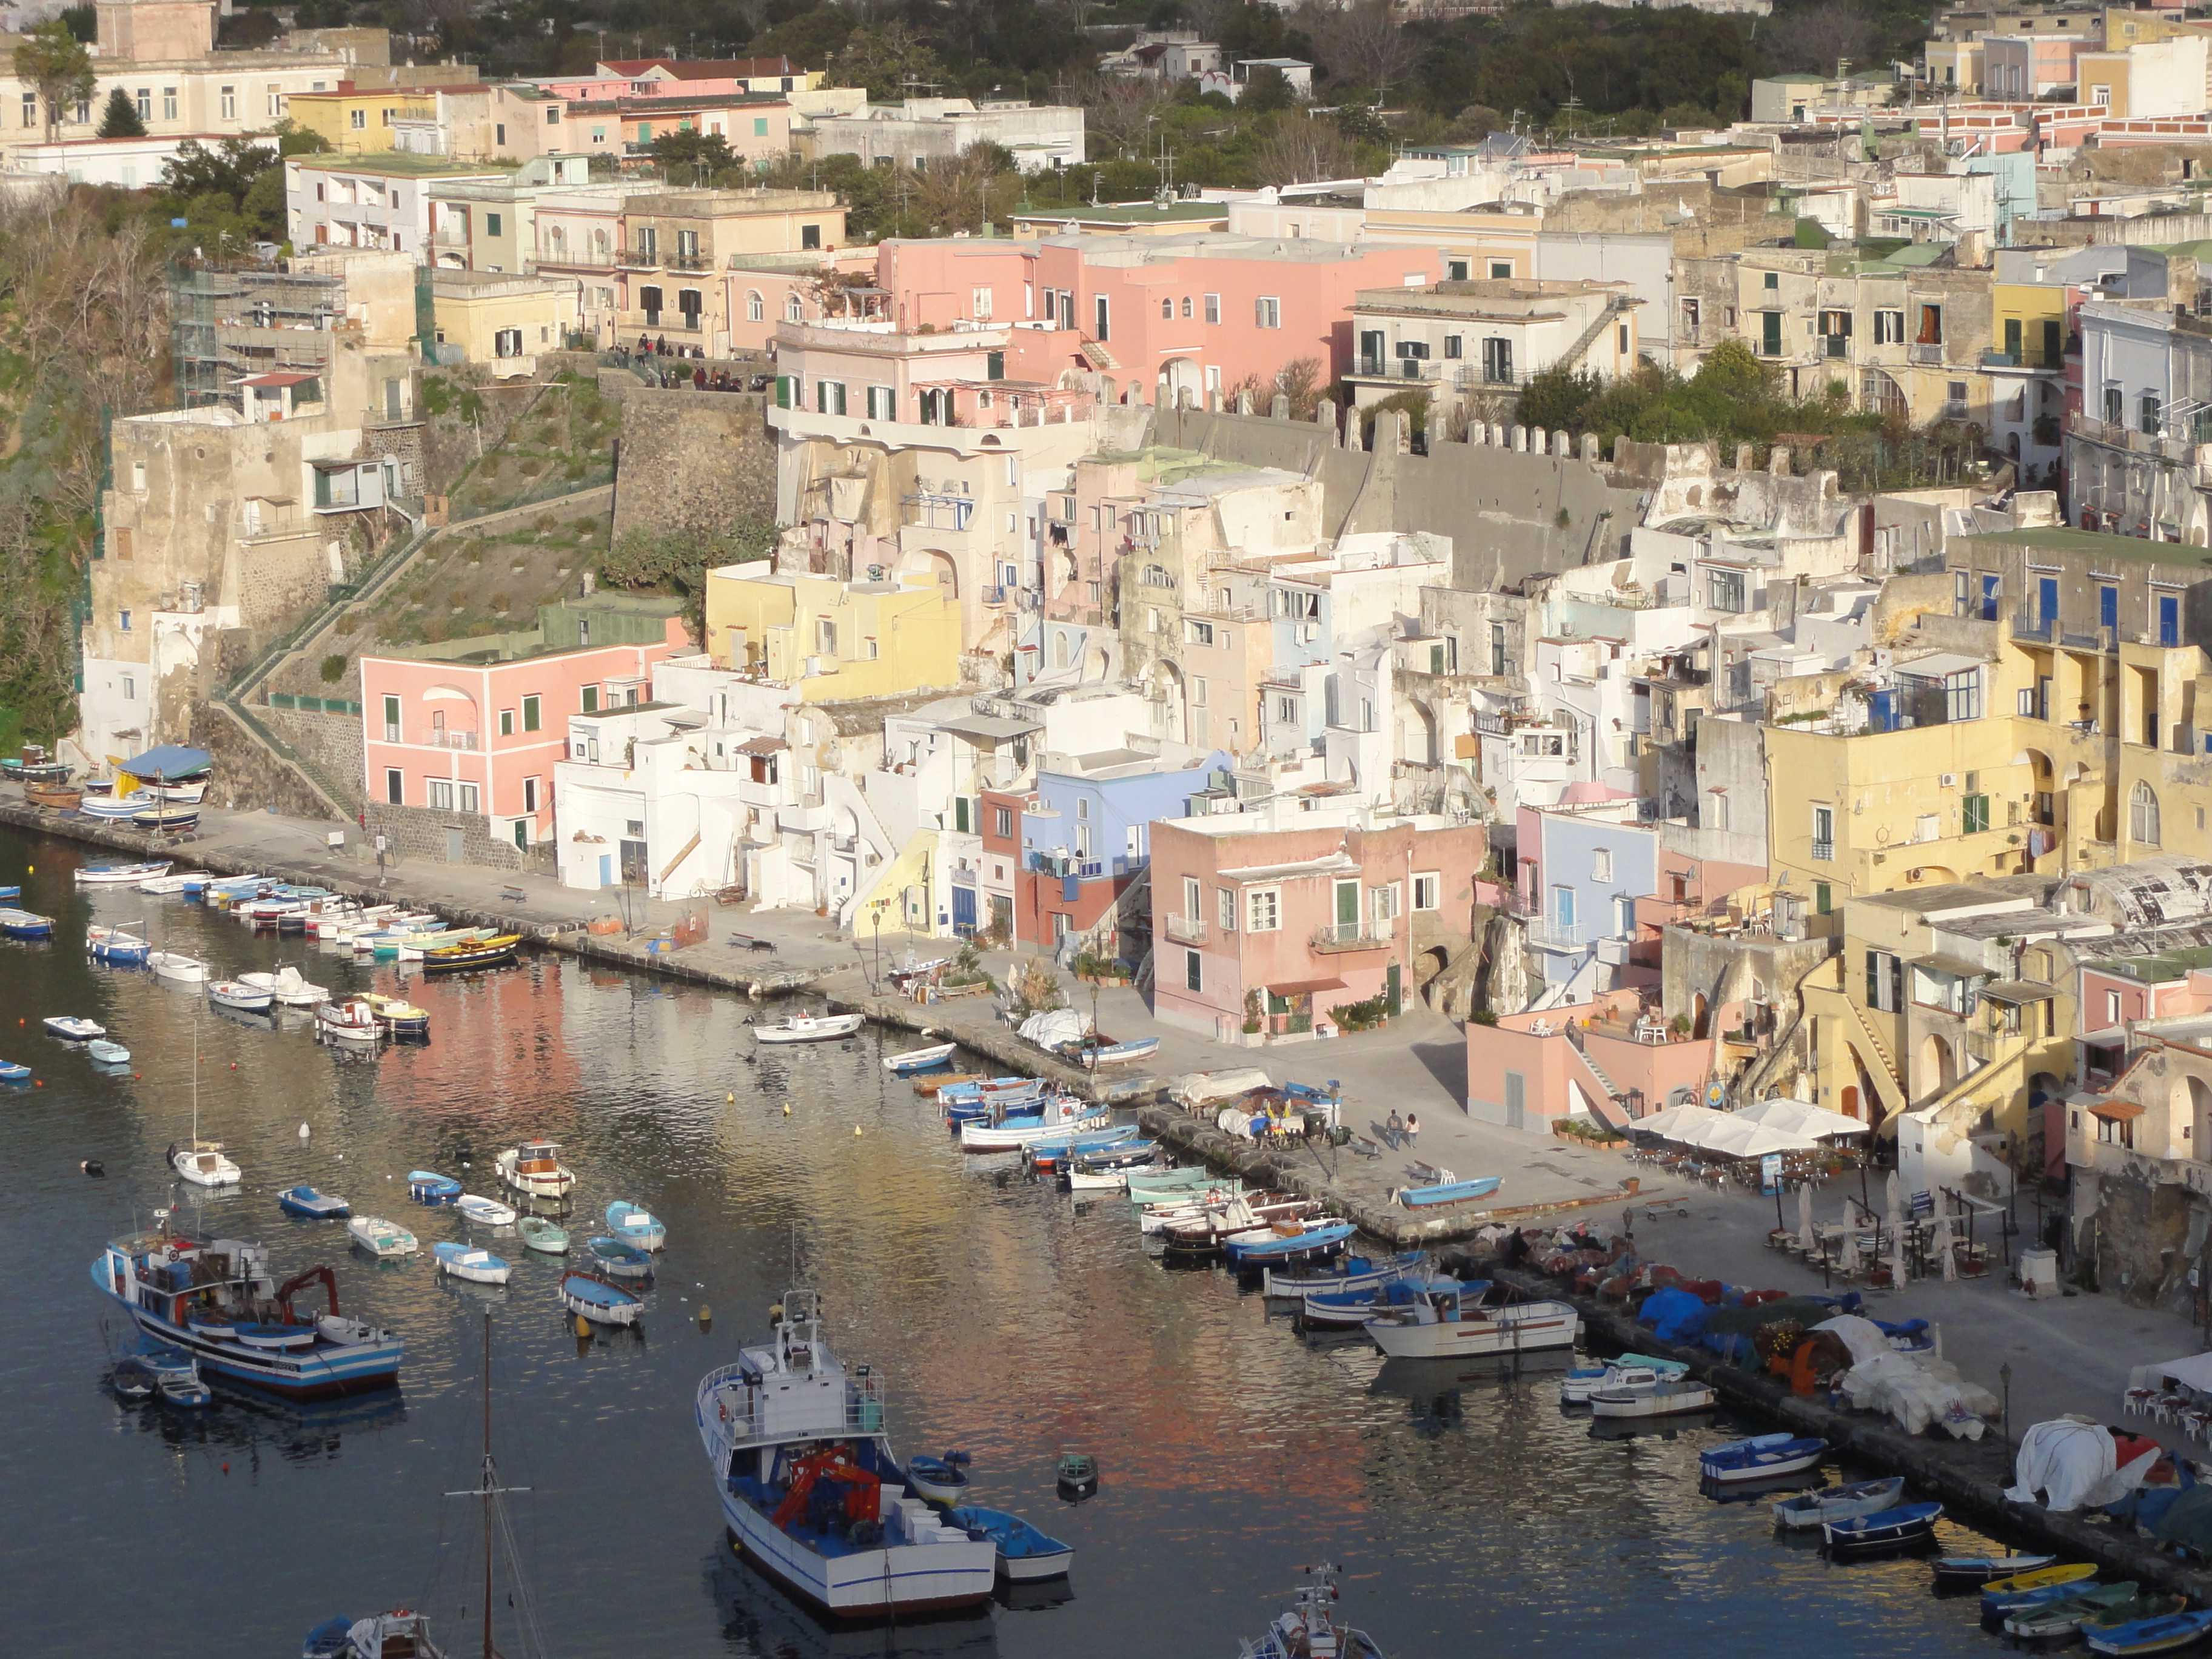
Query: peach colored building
{"x": 534, "y": 121}
{"x": 475, "y": 727}
{"x": 1528, "y": 1071}
{"x": 870, "y": 370}
{"x": 1281, "y": 919}
{"x": 1156, "y": 316}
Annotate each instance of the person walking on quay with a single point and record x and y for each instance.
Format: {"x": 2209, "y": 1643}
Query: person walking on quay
{"x": 1413, "y": 1127}
{"x": 1395, "y": 1129}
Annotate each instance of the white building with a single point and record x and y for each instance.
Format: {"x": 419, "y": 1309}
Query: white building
{"x": 123, "y": 163}
{"x": 918, "y": 132}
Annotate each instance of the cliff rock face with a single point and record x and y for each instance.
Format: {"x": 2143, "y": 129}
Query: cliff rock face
{"x": 1505, "y": 988}
{"x": 691, "y": 460}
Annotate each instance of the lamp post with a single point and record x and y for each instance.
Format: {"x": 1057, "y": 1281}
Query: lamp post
{"x": 2004, "y": 1380}
{"x": 875, "y": 974}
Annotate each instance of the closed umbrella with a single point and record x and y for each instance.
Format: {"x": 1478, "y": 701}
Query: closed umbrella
{"x": 1939, "y": 1240}
{"x": 1894, "y": 1197}
{"x": 1805, "y": 1234}
{"x": 1847, "y": 1259}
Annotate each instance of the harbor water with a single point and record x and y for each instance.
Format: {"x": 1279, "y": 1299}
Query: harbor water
{"x": 1469, "y": 1512}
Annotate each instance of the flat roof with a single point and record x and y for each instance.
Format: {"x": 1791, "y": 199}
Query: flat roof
{"x": 397, "y": 164}
{"x": 2058, "y": 538}
{"x": 1125, "y": 212}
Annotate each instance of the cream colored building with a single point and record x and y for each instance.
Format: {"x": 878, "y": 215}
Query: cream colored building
{"x": 505, "y": 321}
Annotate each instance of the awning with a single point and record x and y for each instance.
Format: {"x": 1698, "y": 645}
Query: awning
{"x": 169, "y": 760}
{"x": 2019, "y": 992}
{"x": 2119, "y": 1110}
{"x": 1957, "y": 967}
{"x": 762, "y": 746}
{"x": 1941, "y": 665}
{"x": 1299, "y": 987}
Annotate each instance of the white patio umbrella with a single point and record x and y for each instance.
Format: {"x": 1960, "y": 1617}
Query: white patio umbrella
{"x": 1847, "y": 1259}
{"x": 1897, "y": 1277}
{"x": 1805, "y": 1237}
{"x": 1894, "y": 1199}
{"x": 1939, "y": 1240}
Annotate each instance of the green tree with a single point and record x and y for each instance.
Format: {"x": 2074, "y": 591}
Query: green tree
{"x": 228, "y": 169}
{"x": 677, "y": 560}
{"x": 299, "y": 141}
{"x": 686, "y": 157}
{"x": 54, "y": 61}
{"x": 890, "y": 62}
{"x": 118, "y": 119}
{"x": 1267, "y": 89}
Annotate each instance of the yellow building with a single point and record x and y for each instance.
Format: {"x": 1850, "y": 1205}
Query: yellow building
{"x": 834, "y": 641}
{"x": 361, "y": 122}
{"x": 2027, "y": 322}
{"x": 502, "y": 321}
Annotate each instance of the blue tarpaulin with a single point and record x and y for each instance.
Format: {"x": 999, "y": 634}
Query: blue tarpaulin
{"x": 169, "y": 760}
{"x": 1674, "y": 1315}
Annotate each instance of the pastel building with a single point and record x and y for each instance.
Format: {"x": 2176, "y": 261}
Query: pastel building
{"x": 472, "y": 729}
{"x": 1619, "y": 1063}
{"x": 832, "y": 639}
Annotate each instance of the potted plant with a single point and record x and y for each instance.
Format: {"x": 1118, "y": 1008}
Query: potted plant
{"x": 1251, "y": 1014}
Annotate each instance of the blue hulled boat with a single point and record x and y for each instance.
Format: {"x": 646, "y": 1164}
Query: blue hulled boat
{"x": 1762, "y": 1457}
{"x": 305, "y": 1202}
{"x": 1448, "y": 1191}
{"x": 635, "y": 1225}
{"x": 1902, "y": 1528}
{"x": 1353, "y": 1272}
{"x": 1311, "y": 1240}
{"x": 2176, "y": 1630}
{"x": 1024, "y": 1553}
{"x": 26, "y": 924}
{"x": 428, "y": 1187}
{"x": 600, "y": 1300}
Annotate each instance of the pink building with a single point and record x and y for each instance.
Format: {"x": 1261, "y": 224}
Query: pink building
{"x": 1528, "y": 1071}
{"x": 1279, "y": 920}
{"x": 2023, "y": 67}
{"x": 474, "y": 726}
{"x": 1156, "y": 316}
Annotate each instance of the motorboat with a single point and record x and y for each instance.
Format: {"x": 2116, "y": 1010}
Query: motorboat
{"x": 1762, "y": 1457}
{"x": 236, "y": 993}
{"x": 1453, "y": 1323}
{"x": 1309, "y": 1629}
{"x": 119, "y": 875}
{"x": 73, "y": 1028}
{"x": 809, "y": 1488}
{"x": 310, "y": 1205}
{"x": 1825, "y": 1504}
{"x": 122, "y": 946}
{"x": 1025, "y": 1554}
{"x": 808, "y": 1028}
{"x": 348, "y": 1021}
{"x": 203, "y": 1165}
{"x": 1576, "y": 1388}
{"x": 539, "y": 1234}
{"x": 1447, "y": 1189}
{"x": 287, "y": 986}
{"x": 380, "y": 1238}
{"x": 600, "y": 1300}
{"x": 1300, "y": 1240}
{"x": 470, "y": 1261}
{"x": 2006, "y": 1596}
{"x": 535, "y": 1167}
{"x": 428, "y": 1187}
{"x": 617, "y": 1259}
{"x": 635, "y": 1225}
{"x": 1906, "y": 1527}
{"x": 177, "y": 968}
{"x": 218, "y": 1302}
{"x": 485, "y": 1212}
{"x": 497, "y": 952}
{"x": 397, "y": 1015}
{"x": 918, "y": 1060}
{"x": 104, "y": 1053}
{"x": 1644, "y": 1394}
{"x": 25, "y": 924}
{"x": 942, "y": 1479}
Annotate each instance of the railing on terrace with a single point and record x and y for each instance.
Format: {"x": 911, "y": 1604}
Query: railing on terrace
{"x": 1372, "y": 935}
{"x": 1549, "y": 934}
{"x": 306, "y": 705}
{"x": 438, "y": 738}
{"x": 1186, "y": 930}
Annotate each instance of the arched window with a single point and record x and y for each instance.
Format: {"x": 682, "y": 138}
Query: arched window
{"x": 2142, "y": 815}
{"x": 792, "y": 314}
{"x": 755, "y": 308}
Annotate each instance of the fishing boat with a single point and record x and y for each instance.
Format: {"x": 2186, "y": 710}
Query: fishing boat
{"x": 54, "y": 797}
{"x": 940, "y": 1479}
{"x": 73, "y": 1028}
{"x": 123, "y": 945}
{"x": 380, "y": 1238}
{"x": 1972, "y": 1572}
{"x": 1288, "y": 1240}
{"x": 219, "y": 1303}
{"x": 1345, "y": 1310}
{"x": 25, "y": 924}
{"x": 2034, "y": 1589}
{"x": 1110, "y": 1174}
{"x": 397, "y": 1015}
{"x": 471, "y": 1263}
{"x": 428, "y": 1187}
{"x": 1906, "y": 1527}
{"x": 307, "y": 1202}
{"x": 1206, "y": 1230}
{"x": 1101, "y": 1147}
{"x": 484, "y": 1211}
{"x": 202, "y": 1163}
{"x": 349, "y": 1021}
{"x": 1092, "y": 1055}
{"x": 1445, "y": 1190}
{"x": 809, "y": 1028}
{"x": 167, "y": 820}
{"x": 1076, "y": 1474}
{"x": 497, "y": 952}
{"x": 1441, "y": 1323}
{"x": 2101, "y": 1607}
{"x": 535, "y": 1167}
{"x": 617, "y": 1259}
{"x": 929, "y": 1088}
{"x": 107, "y": 808}
{"x": 539, "y": 1234}
{"x": 119, "y": 875}
{"x": 1639, "y": 1393}
{"x": 177, "y": 968}
{"x": 918, "y": 1060}
{"x": 1762, "y": 1457}
{"x": 12, "y": 1073}
{"x": 1846, "y": 1503}
{"x": 236, "y": 993}
{"x": 166, "y": 886}
{"x": 1309, "y": 1630}
{"x": 1013, "y": 1130}
{"x": 1025, "y": 1554}
{"x": 600, "y": 1300}
{"x": 809, "y": 1490}
{"x": 1576, "y": 1388}
{"x": 1175, "y": 1186}
{"x": 634, "y": 1225}
{"x": 287, "y": 987}
{"x": 2175, "y": 1630}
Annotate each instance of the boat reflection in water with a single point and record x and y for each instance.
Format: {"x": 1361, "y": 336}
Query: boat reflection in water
{"x": 765, "y": 1622}
{"x": 1433, "y": 1386}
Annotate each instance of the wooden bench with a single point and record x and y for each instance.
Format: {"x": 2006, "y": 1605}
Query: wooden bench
{"x": 512, "y": 895}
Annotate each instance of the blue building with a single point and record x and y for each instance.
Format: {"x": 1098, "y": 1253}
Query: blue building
{"x": 1090, "y": 831}
{"x": 1593, "y": 861}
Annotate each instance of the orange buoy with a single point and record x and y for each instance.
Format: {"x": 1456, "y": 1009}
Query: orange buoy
{"x": 38, "y": 1083}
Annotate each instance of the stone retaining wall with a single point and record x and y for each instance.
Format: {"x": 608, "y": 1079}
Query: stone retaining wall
{"x": 332, "y": 742}
{"x": 691, "y": 460}
{"x": 421, "y": 832}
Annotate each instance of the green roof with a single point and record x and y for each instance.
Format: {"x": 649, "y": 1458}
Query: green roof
{"x": 2057, "y": 539}
{"x": 398, "y": 163}
{"x": 1128, "y": 213}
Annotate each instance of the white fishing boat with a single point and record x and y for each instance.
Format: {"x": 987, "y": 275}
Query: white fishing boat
{"x": 1642, "y": 1392}
{"x": 918, "y": 1060}
{"x": 1309, "y": 1629}
{"x": 380, "y": 1238}
{"x": 287, "y": 985}
{"x": 349, "y": 1021}
{"x": 236, "y": 993}
{"x": 170, "y": 884}
{"x": 1624, "y": 1370}
{"x": 806, "y": 1028}
{"x": 202, "y": 1163}
{"x": 1823, "y": 1504}
{"x": 177, "y": 968}
{"x": 475, "y": 1264}
{"x": 485, "y": 1212}
{"x": 1440, "y": 1323}
{"x": 786, "y": 1420}
{"x": 1020, "y": 1127}
{"x": 535, "y": 1167}
{"x": 119, "y": 875}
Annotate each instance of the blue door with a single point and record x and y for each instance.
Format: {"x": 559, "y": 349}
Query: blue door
{"x": 1989, "y": 598}
{"x": 1883, "y": 717}
{"x": 964, "y": 911}
{"x": 2169, "y": 619}
{"x": 2108, "y": 607}
{"x": 607, "y": 869}
{"x": 2046, "y": 601}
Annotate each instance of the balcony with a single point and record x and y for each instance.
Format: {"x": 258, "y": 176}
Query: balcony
{"x": 438, "y": 737}
{"x": 937, "y": 512}
{"x": 1930, "y": 352}
{"x": 598, "y": 259}
{"x": 682, "y": 261}
{"x": 1186, "y": 930}
{"x": 994, "y": 596}
{"x": 1398, "y": 368}
{"x": 1547, "y": 934}
{"x": 1375, "y": 935}
{"x": 639, "y": 259}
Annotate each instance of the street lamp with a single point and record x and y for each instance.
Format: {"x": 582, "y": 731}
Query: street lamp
{"x": 2004, "y": 1380}
{"x": 875, "y": 974}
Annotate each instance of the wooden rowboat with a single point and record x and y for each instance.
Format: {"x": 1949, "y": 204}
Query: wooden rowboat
{"x": 929, "y": 1086}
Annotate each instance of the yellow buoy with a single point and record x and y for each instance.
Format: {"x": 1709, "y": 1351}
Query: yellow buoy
{"x": 583, "y": 1326}
{"x": 731, "y": 1098}
{"x": 705, "y": 1316}
{"x": 787, "y": 1104}
{"x": 856, "y": 1131}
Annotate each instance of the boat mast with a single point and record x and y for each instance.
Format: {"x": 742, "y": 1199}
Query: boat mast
{"x": 487, "y": 1483}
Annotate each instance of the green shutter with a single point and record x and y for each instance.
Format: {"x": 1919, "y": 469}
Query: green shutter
{"x": 530, "y": 713}
{"x": 1820, "y": 897}
{"x": 960, "y": 814}
{"x": 1873, "y": 979}
{"x": 783, "y": 392}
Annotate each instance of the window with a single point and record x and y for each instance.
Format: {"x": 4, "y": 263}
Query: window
{"x": 1267, "y": 313}
{"x": 553, "y": 116}
{"x": 1824, "y": 833}
{"x": 391, "y": 720}
{"x": 529, "y": 720}
{"x": 1100, "y": 317}
{"x": 1264, "y": 909}
{"x": 760, "y": 126}
{"x": 1167, "y": 311}
{"x": 1213, "y": 307}
{"x": 2108, "y": 607}
{"x": 360, "y": 120}
{"x": 1889, "y": 328}
{"x": 499, "y": 134}
{"x": 1002, "y": 822}
{"x": 591, "y": 702}
{"x": 810, "y": 236}
{"x": 649, "y": 301}
{"x": 2111, "y": 1008}
{"x": 1885, "y": 986}
{"x": 441, "y": 794}
{"x": 1225, "y": 909}
{"x": 168, "y": 103}
{"x": 229, "y": 95}
{"x": 755, "y": 308}
{"x": 1973, "y": 814}
{"x": 1501, "y": 270}
{"x": 145, "y": 102}
{"x": 1498, "y": 361}
{"x": 506, "y": 716}
{"x": 882, "y": 402}
{"x": 1773, "y": 279}
{"x": 829, "y": 396}
{"x": 122, "y": 621}
{"x": 507, "y": 343}
{"x": 1823, "y": 900}
{"x": 1602, "y": 865}
{"x": 1191, "y": 972}
{"x": 1691, "y": 309}
{"x": 2149, "y": 409}
{"x": 2115, "y": 405}
{"x": 468, "y": 802}
{"x": 1724, "y": 591}
{"x": 1428, "y": 890}
{"x": 130, "y": 689}
{"x": 1931, "y": 327}
{"x": 2142, "y": 815}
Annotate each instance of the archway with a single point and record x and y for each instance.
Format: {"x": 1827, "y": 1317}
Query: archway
{"x": 2194, "y": 1096}
{"x": 1177, "y": 376}
{"x": 935, "y": 564}
{"x": 1937, "y": 1070}
{"x": 1429, "y": 964}
{"x": 1097, "y": 663}
{"x": 1417, "y": 733}
{"x": 1163, "y": 685}
{"x": 1700, "y": 1017}
{"x": 1848, "y": 1104}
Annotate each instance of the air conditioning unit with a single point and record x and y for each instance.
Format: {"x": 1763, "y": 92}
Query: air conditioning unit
{"x": 1949, "y": 780}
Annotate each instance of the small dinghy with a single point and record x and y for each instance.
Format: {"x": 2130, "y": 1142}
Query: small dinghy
{"x": 349, "y": 1021}
{"x": 2142, "y": 1605}
{"x": 272, "y": 1338}
{"x": 331, "y": 1639}
{"x": 123, "y": 945}
{"x": 476, "y": 1265}
{"x": 2024, "y": 1590}
{"x": 26, "y": 924}
{"x": 1825, "y": 1504}
{"x": 2066, "y": 1615}
{"x": 305, "y": 1202}
{"x": 1092, "y": 1055}
{"x": 72, "y": 1028}
{"x": 428, "y": 1187}
{"x": 485, "y": 1212}
{"x": 1582, "y": 1381}
{"x": 1974, "y": 1572}
{"x": 236, "y": 993}
{"x": 600, "y": 1300}
{"x": 380, "y": 1238}
{"x": 2175, "y": 1630}
{"x": 918, "y": 1060}
{"x": 805, "y": 1028}
{"x": 1644, "y": 1394}
{"x": 105, "y": 1053}
{"x": 133, "y": 1380}
{"x": 397, "y": 1016}
{"x": 634, "y": 1225}
{"x": 177, "y": 968}
{"x": 618, "y": 1260}
{"x": 539, "y": 1234}
{"x": 11, "y": 1073}
{"x": 180, "y": 1386}
{"x": 1906, "y": 1527}
{"x": 119, "y": 875}
{"x": 940, "y": 1480}
{"x": 1076, "y": 1474}
{"x": 1024, "y": 1553}
{"x": 1446, "y": 1190}
{"x": 1762, "y": 1457}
